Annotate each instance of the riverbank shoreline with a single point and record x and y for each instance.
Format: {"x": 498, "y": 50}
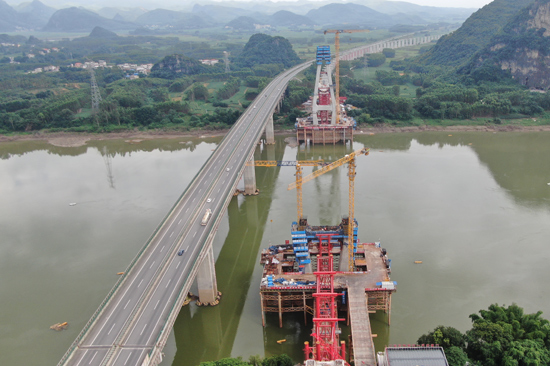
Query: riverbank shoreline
{"x": 75, "y": 139}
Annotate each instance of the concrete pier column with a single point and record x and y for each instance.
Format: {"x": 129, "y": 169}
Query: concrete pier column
{"x": 250, "y": 178}
{"x": 269, "y": 133}
{"x": 206, "y": 278}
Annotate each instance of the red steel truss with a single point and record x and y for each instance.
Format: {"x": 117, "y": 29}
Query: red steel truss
{"x": 326, "y": 345}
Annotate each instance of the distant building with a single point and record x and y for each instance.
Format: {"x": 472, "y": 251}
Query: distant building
{"x": 209, "y": 62}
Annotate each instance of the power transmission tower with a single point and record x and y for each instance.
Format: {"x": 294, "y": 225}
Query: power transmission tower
{"x": 109, "y": 166}
{"x": 226, "y": 60}
{"x": 96, "y": 96}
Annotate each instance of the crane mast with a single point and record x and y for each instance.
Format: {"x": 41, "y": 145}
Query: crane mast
{"x": 337, "y": 63}
{"x": 350, "y": 160}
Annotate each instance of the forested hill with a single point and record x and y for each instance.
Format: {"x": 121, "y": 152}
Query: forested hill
{"x": 263, "y": 49}
{"x": 522, "y": 49}
{"x": 458, "y": 47}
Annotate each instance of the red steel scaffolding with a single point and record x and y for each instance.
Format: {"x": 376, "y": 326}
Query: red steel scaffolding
{"x": 326, "y": 345}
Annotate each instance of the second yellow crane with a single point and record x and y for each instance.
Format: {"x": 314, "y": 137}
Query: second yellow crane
{"x": 337, "y": 63}
{"x": 350, "y": 160}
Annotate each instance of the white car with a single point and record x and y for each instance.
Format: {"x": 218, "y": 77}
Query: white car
{"x": 209, "y": 200}
{"x": 227, "y": 169}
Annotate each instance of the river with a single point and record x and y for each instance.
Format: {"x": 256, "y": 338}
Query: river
{"x": 473, "y": 207}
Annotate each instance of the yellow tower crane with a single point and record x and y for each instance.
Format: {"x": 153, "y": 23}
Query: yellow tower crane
{"x": 337, "y": 63}
{"x": 350, "y": 160}
{"x": 298, "y": 164}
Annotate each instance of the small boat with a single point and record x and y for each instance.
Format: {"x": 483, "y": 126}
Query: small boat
{"x": 72, "y": 204}
{"x": 120, "y": 273}
{"x": 418, "y": 262}
{"x": 281, "y": 341}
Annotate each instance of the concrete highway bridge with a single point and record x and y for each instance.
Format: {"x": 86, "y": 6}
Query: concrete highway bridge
{"x": 131, "y": 326}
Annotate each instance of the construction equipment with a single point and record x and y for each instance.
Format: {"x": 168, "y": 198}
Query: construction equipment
{"x": 337, "y": 63}
{"x": 350, "y": 159}
{"x": 298, "y": 164}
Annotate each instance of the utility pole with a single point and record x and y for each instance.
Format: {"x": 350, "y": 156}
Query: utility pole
{"x": 96, "y": 96}
{"x": 226, "y": 60}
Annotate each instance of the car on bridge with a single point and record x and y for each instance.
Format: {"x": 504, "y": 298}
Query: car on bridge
{"x": 181, "y": 252}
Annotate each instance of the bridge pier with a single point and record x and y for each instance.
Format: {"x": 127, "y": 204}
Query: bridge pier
{"x": 206, "y": 278}
{"x": 269, "y": 131}
{"x": 249, "y": 178}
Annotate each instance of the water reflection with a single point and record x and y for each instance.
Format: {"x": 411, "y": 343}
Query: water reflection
{"x": 472, "y": 206}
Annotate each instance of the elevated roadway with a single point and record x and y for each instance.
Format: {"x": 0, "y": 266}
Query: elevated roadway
{"x": 132, "y": 324}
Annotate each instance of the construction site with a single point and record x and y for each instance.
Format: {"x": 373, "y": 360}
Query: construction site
{"x": 328, "y": 122}
{"x": 325, "y": 270}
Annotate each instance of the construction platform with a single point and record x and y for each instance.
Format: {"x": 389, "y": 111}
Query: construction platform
{"x": 328, "y": 122}
{"x": 288, "y": 281}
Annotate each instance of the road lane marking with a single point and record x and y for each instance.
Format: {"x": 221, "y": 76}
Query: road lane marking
{"x": 92, "y": 358}
{"x": 150, "y": 267}
{"x": 82, "y": 359}
{"x": 143, "y": 329}
{"x": 167, "y": 284}
{"x": 111, "y": 329}
{"x": 156, "y": 305}
{"x": 186, "y": 210}
{"x": 194, "y": 200}
{"x": 194, "y": 234}
{"x": 178, "y": 265}
{"x": 172, "y": 234}
{"x": 200, "y": 190}
{"x": 181, "y": 219}
{"x": 127, "y": 304}
{"x": 128, "y": 358}
{"x": 140, "y": 283}
{"x": 162, "y": 248}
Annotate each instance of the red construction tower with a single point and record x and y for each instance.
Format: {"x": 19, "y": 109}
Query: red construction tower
{"x": 326, "y": 345}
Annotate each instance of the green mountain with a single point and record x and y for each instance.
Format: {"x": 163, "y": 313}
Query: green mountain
{"x": 219, "y": 13}
{"x": 103, "y": 33}
{"x": 8, "y": 18}
{"x": 126, "y": 14}
{"x": 521, "y": 49}
{"x": 264, "y": 49}
{"x": 456, "y": 48}
{"x": 162, "y": 18}
{"x": 35, "y": 14}
{"x": 242, "y": 23}
{"x": 350, "y": 14}
{"x": 174, "y": 66}
{"x": 287, "y": 18}
{"x": 82, "y": 20}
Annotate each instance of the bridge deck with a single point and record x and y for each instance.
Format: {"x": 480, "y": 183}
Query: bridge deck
{"x": 363, "y": 346}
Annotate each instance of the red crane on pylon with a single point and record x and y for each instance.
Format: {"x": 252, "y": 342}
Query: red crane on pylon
{"x": 326, "y": 345}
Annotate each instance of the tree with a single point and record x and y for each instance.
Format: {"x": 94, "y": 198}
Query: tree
{"x": 389, "y": 52}
{"x": 376, "y": 59}
{"x": 506, "y": 336}
{"x": 280, "y": 360}
{"x": 446, "y": 337}
{"x": 456, "y": 356}
{"x": 226, "y": 362}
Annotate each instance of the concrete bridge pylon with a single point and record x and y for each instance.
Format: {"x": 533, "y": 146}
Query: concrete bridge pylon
{"x": 250, "y": 178}
{"x": 269, "y": 131}
{"x": 206, "y": 278}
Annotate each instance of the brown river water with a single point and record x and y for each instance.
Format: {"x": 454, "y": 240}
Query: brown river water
{"x": 474, "y": 207}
